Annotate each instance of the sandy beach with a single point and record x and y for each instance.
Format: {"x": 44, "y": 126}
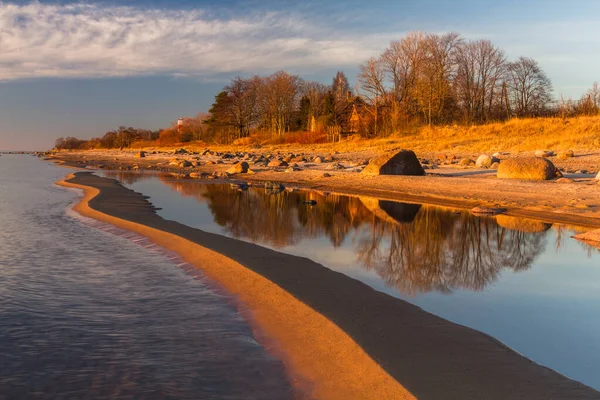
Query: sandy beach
{"x": 340, "y": 338}
{"x": 569, "y": 201}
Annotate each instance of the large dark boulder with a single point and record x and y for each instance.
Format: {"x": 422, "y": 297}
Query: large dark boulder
{"x": 531, "y": 168}
{"x": 405, "y": 162}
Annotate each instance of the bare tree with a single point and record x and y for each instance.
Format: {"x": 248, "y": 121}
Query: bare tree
{"x": 480, "y": 70}
{"x": 531, "y": 89}
{"x": 371, "y": 77}
{"x": 339, "y": 91}
{"x": 278, "y": 96}
{"x": 434, "y": 78}
{"x": 242, "y": 105}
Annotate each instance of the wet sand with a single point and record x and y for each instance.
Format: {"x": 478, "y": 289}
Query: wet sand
{"x": 348, "y": 340}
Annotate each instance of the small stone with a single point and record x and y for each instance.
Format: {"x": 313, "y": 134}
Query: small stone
{"x": 327, "y": 175}
{"x": 564, "y": 180}
{"x": 277, "y": 163}
{"x": 465, "y": 162}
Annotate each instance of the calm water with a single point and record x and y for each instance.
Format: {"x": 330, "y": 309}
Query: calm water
{"x": 535, "y": 289}
{"x": 88, "y": 313}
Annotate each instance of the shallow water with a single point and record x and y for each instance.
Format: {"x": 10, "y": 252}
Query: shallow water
{"x": 527, "y": 283}
{"x": 91, "y": 312}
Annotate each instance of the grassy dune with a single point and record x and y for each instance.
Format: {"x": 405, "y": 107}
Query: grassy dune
{"x": 580, "y": 133}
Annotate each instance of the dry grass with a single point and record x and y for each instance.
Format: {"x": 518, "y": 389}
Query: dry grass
{"x": 580, "y": 133}
{"x": 514, "y": 135}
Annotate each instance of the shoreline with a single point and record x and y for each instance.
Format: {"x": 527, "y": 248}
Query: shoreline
{"x": 402, "y": 350}
{"x": 549, "y": 201}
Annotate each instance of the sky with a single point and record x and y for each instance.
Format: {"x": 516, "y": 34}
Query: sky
{"x": 84, "y": 68}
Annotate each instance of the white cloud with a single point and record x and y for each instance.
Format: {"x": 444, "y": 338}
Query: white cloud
{"x": 85, "y": 40}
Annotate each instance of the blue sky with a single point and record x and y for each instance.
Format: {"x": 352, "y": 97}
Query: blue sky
{"x": 82, "y": 68}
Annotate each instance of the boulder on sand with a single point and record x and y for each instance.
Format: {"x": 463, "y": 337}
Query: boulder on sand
{"x": 239, "y": 168}
{"x": 141, "y": 154}
{"x": 534, "y": 168}
{"x": 484, "y": 161}
{"x": 598, "y": 176}
{"x": 404, "y": 162}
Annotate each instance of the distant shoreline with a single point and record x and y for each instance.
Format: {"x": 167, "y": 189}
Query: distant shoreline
{"x": 361, "y": 343}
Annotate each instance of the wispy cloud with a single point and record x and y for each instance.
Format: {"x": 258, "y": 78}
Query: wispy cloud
{"x": 86, "y": 40}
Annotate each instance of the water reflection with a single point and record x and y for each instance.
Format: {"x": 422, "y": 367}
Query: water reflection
{"x": 526, "y": 283}
{"x": 413, "y": 248}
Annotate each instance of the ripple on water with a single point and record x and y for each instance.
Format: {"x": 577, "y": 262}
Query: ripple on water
{"x": 87, "y": 313}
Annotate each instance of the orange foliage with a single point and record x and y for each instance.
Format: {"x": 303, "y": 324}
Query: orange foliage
{"x": 168, "y": 137}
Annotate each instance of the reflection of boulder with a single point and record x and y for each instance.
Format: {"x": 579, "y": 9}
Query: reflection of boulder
{"x": 522, "y": 224}
{"x": 391, "y": 211}
{"x": 592, "y": 238}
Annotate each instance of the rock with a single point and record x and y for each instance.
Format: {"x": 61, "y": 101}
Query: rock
{"x": 317, "y": 160}
{"x": 277, "y": 163}
{"x": 335, "y": 166}
{"x": 239, "y": 168}
{"x": 497, "y": 155}
{"x": 141, "y": 154}
{"x": 598, "y": 176}
{"x": 185, "y": 164}
{"x": 329, "y": 159}
{"x": 326, "y": 175}
{"x": 564, "y": 180}
{"x": 495, "y": 165}
{"x": 404, "y": 162}
{"x": 531, "y": 168}
{"x": 544, "y": 153}
{"x": 563, "y": 155}
{"x": 180, "y": 151}
{"x": 484, "y": 161}
{"x": 465, "y": 162}
{"x": 298, "y": 159}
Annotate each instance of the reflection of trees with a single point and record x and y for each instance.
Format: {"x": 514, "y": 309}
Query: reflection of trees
{"x": 442, "y": 251}
{"x": 413, "y": 248}
{"x": 281, "y": 219}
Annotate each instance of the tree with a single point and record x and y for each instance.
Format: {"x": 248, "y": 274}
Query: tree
{"x": 433, "y": 89}
{"x": 340, "y": 88}
{"x": 530, "y": 88}
{"x": 480, "y": 70}
{"x": 371, "y": 77}
{"x": 243, "y": 105}
{"x": 278, "y": 100}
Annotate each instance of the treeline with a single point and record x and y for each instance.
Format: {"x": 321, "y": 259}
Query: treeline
{"x": 120, "y": 138}
{"x": 421, "y": 79}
